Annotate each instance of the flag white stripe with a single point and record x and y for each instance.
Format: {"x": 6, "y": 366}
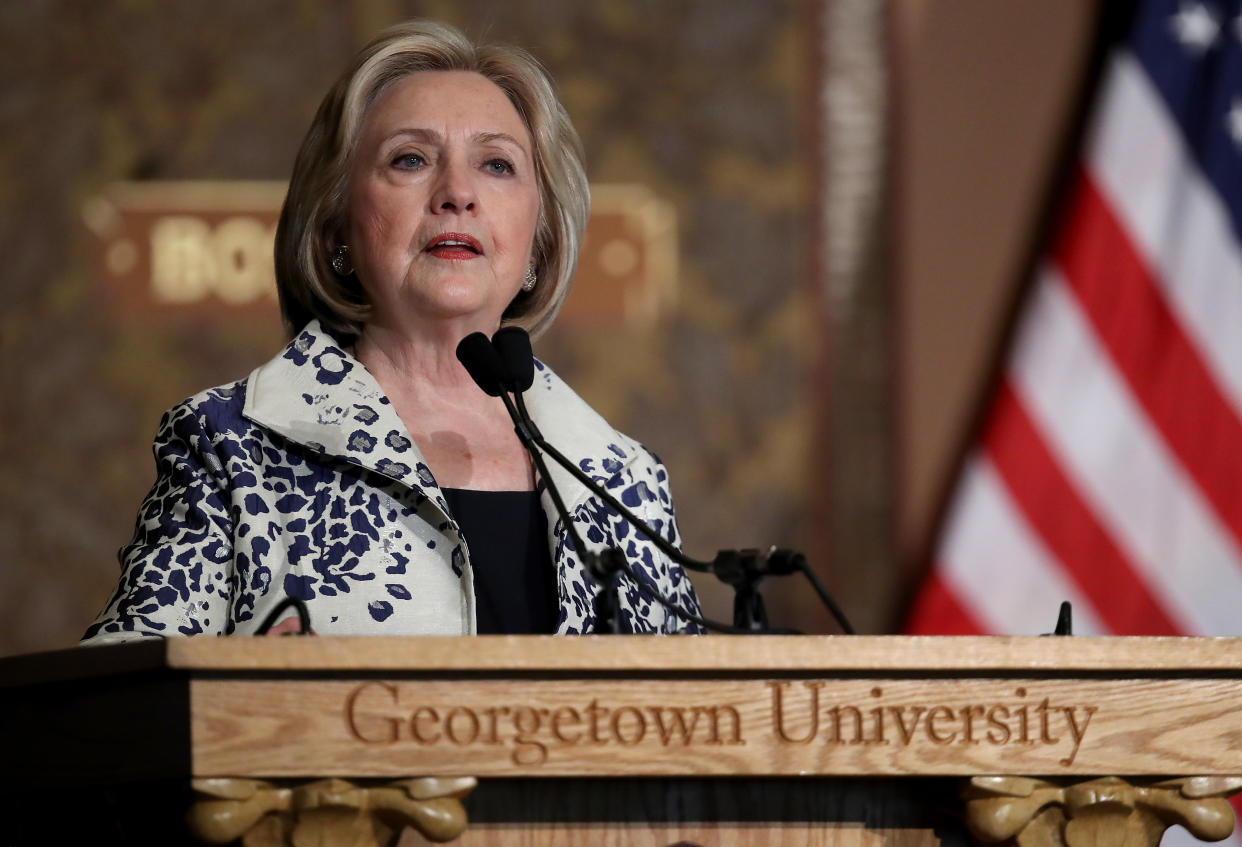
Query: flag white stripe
{"x": 1122, "y": 467}
{"x": 1180, "y": 228}
{"x": 1096, "y": 429}
{"x": 1178, "y": 224}
{"x": 997, "y": 565}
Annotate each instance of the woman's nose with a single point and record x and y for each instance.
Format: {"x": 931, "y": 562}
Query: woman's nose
{"x": 454, "y": 190}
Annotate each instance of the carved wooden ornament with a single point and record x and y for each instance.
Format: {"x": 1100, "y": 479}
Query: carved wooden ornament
{"x": 327, "y": 811}
{"x": 1107, "y": 812}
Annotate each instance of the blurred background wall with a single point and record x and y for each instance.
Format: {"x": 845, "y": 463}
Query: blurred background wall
{"x": 798, "y": 399}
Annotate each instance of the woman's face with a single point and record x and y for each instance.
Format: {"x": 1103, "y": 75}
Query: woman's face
{"x": 443, "y": 202}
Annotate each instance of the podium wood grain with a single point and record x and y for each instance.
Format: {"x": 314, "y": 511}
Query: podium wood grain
{"x": 710, "y": 719}
{"x": 759, "y": 727}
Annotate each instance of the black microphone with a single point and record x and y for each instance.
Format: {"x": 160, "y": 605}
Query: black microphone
{"x": 479, "y": 357}
{"x": 512, "y": 347}
{"x": 742, "y": 569}
{"x": 482, "y": 362}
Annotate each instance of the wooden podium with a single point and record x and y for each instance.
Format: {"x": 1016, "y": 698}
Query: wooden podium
{"x": 769, "y": 740}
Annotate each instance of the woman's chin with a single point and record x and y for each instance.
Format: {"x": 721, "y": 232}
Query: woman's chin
{"x": 456, "y": 306}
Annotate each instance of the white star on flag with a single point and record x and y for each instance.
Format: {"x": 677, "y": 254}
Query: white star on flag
{"x": 1195, "y": 26}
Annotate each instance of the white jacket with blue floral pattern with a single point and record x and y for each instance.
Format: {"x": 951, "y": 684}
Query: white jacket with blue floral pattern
{"x": 301, "y": 481}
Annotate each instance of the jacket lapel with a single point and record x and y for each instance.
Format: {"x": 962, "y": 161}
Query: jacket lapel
{"x": 578, "y": 431}
{"x": 315, "y": 393}
{"x": 318, "y": 395}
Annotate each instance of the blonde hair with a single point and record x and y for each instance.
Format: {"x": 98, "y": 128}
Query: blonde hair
{"x": 314, "y": 209}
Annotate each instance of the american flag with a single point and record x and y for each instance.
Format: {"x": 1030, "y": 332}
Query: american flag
{"x": 1109, "y": 469}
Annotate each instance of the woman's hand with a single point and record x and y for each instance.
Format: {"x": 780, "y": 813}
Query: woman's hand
{"x": 289, "y": 626}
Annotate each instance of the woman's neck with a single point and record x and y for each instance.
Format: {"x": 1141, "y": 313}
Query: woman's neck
{"x": 426, "y": 362}
{"x": 465, "y": 435}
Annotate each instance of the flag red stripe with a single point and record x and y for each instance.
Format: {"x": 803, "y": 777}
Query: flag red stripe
{"x": 1066, "y": 524}
{"x": 1147, "y": 344}
{"x": 936, "y": 611}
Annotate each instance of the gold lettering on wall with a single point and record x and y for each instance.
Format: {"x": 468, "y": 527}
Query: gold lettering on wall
{"x": 187, "y": 246}
{"x": 191, "y": 260}
{"x": 190, "y": 246}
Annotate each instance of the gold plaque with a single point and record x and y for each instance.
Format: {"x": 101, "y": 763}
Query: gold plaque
{"x": 207, "y": 247}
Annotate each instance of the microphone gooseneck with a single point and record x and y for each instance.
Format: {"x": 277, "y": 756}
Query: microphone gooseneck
{"x": 611, "y": 562}
{"x": 479, "y": 357}
{"x": 512, "y": 358}
{"x": 742, "y": 569}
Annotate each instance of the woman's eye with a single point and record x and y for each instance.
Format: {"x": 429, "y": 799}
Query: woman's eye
{"x": 409, "y": 161}
{"x": 499, "y": 166}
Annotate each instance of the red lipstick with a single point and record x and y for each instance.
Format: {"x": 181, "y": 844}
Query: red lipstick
{"x": 454, "y": 246}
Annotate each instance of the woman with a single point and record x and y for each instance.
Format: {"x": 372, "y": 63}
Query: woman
{"x": 439, "y": 191}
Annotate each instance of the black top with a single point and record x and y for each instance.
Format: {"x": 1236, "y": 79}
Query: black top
{"x": 514, "y": 584}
